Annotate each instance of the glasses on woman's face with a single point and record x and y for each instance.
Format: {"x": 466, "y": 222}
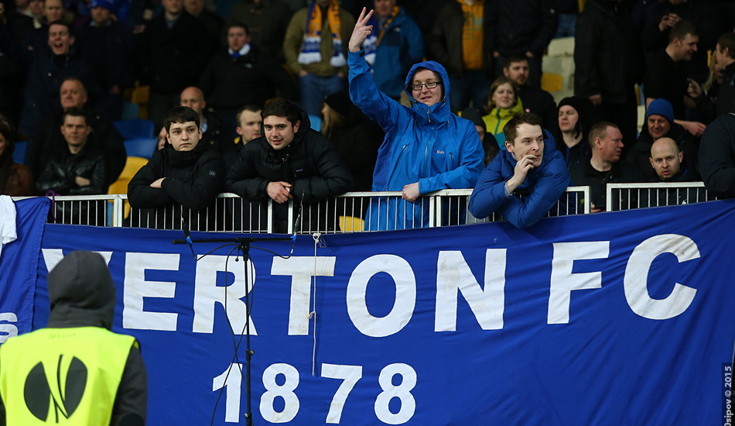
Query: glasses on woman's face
{"x": 429, "y": 85}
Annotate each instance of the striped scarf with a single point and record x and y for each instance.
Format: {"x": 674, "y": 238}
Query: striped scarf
{"x": 310, "y": 48}
{"x": 371, "y": 43}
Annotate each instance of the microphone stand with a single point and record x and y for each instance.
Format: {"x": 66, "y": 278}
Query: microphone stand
{"x": 244, "y": 247}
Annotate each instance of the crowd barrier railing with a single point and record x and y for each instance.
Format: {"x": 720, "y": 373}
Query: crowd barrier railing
{"x": 350, "y": 212}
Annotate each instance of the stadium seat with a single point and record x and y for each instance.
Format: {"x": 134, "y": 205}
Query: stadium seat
{"x": 135, "y": 128}
{"x": 316, "y": 122}
{"x": 120, "y": 186}
{"x": 19, "y": 153}
{"x": 131, "y": 111}
{"x": 351, "y": 224}
{"x": 141, "y": 147}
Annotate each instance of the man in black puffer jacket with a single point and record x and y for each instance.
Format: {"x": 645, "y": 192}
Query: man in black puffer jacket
{"x": 178, "y": 186}
{"x": 290, "y": 162}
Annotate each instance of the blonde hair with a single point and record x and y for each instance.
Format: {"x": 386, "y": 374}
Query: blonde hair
{"x": 331, "y": 120}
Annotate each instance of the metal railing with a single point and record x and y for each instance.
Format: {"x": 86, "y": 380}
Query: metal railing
{"x": 625, "y": 196}
{"x": 350, "y": 212}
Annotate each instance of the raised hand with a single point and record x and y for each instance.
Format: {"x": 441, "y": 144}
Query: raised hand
{"x": 361, "y": 31}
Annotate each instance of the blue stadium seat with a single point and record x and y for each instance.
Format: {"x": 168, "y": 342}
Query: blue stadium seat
{"x": 316, "y": 122}
{"x": 19, "y": 153}
{"x": 135, "y": 128}
{"x": 140, "y": 147}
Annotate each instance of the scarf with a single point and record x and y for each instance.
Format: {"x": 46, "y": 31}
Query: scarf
{"x": 372, "y": 42}
{"x": 310, "y": 47}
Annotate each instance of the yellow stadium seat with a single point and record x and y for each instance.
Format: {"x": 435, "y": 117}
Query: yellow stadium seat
{"x": 120, "y": 186}
{"x": 351, "y": 224}
{"x": 552, "y": 82}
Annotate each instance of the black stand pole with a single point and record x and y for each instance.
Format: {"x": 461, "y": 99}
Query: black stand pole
{"x": 244, "y": 247}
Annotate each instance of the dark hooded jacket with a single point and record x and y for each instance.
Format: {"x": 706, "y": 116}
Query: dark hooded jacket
{"x": 424, "y": 144}
{"x": 82, "y": 294}
{"x": 193, "y": 181}
{"x": 717, "y": 156}
{"x": 532, "y": 199}
{"x": 310, "y": 163}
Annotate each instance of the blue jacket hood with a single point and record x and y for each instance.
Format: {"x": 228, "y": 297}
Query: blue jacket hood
{"x": 441, "y": 110}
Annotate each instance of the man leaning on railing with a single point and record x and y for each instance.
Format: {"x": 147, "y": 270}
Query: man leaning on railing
{"x": 524, "y": 181}
{"x": 180, "y": 180}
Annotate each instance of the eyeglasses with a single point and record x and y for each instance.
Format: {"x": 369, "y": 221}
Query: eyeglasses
{"x": 428, "y": 84}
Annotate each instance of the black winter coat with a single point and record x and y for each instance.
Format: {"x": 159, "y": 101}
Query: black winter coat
{"x": 445, "y": 41}
{"x": 520, "y": 26}
{"x": 607, "y": 54}
{"x": 60, "y": 172}
{"x": 717, "y": 156}
{"x": 310, "y": 163}
{"x": 193, "y": 181}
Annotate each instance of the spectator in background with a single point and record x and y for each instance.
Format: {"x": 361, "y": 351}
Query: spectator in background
{"x": 12, "y": 75}
{"x": 608, "y": 63}
{"x": 249, "y": 123}
{"x": 660, "y": 123}
{"x": 104, "y": 137}
{"x": 174, "y": 49}
{"x": 210, "y": 20}
{"x": 355, "y": 137}
{"x": 291, "y": 162}
{"x": 574, "y": 115}
{"x": 395, "y": 45}
{"x": 242, "y": 74}
{"x": 460, "y": 40}
{"x": 185, "y": 174}
{"x": 36, "y": 43}
{"x": 522, "y": 28}
{"x": 15, "y": 178}
{"x": 46, "y": 75}
{"x": 666, "y": 76}
{"x": 503, "y": 104}
{"x": 717, "y": 155}
{"x": 604, "y": 166}
{"x": 667, "y": 162}
{"x": 718, "y": 93}
{"x": 108, "y": 48}
{"x": 426, "y": 147}
{"x": 526, "y": 179}
{"x": 489, "y": 144}
{"x": 534, "y": 99}
{"x": 209, "y": 124}
{"x": 315, "y": 50}
{"x": 266, "y": 21}
{"x": 80, "y": 169}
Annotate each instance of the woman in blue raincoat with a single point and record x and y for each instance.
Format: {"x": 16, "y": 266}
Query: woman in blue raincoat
{"x": 426, "y": 148}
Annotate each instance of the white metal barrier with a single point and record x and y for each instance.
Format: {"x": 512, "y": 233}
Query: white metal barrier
{"x": 624, "y": 196}
{"x": 351, "y": 212}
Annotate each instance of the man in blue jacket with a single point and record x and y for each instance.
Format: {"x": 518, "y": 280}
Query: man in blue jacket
{"x": 426, "y": 148}
{"x": 523, "y": 182}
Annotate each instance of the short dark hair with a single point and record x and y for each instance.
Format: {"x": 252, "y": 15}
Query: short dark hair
{"x": 236, "y": 24}
{"x": 511, "y": 127}
{"x": 727, "y": 41}
{"x": 62, "y": 23}
{"x": 75, "y": 112}
{"x": 7, "y": 131}
{"x": 180, "y": 114}
{"x": 680, "y": 30}
{"x": 282, "y": 108}
{"x": 599, "y": 130}
{"x": 515, "y": 58}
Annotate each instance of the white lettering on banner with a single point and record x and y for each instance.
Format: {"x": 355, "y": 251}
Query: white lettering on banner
{"x": 137, "y": 289}
{"x": 302, "y": 269}
{"x": 51, "y": 257}
{"x": 453, "y": 275}
{"x": 7, "y": 328}
{"x": 636, "y": 277}
{"x": 563, "y": 281}
{"x": 405, "y": 281}
{"x": 207, "y": 294}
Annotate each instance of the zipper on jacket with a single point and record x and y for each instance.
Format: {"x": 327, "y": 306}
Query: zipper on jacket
{"x": 387, "y": 181}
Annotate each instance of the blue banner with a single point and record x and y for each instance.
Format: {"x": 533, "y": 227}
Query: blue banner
{"x": 18, "y": 266}
{"x": 606, "y": 319}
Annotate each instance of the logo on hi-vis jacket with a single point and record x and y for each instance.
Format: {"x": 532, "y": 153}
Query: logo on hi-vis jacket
{"x": 65, "y": 390}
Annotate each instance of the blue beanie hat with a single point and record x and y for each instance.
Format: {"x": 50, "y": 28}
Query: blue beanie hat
{"x": 661, "y": 107}
{"x": 102, "y": 3}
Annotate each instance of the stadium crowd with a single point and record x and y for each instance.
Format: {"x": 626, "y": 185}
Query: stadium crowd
{"x": 68, "y": 67}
